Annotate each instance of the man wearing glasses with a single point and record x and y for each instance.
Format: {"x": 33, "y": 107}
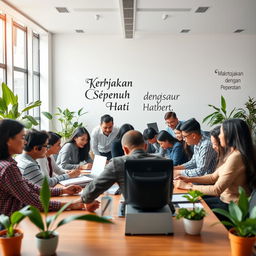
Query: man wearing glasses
{"x": 36, "y": 147}
{"x": 204, "y": 158}
{"x": 172, "y": 121}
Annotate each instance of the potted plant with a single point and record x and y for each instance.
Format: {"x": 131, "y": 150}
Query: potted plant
{"x": 9, "y": 108}
{"x": 68, "y": 121}
{"x": 243, "y": 223}
{"x": 192, "y": 218}
{"x": 11, "y": 237}
{"x": 47, "y": 238}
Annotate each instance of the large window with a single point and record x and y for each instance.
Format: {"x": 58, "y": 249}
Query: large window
{"x": 2, "y": 48}
{"x": 20, "y": 81}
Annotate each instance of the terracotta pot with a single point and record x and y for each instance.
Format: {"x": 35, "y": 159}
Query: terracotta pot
{"x": 10, "y": 246}
{"x": 193, "y": 227}
{"x": 240, "y": 246}
{"x": 47, "y": 247}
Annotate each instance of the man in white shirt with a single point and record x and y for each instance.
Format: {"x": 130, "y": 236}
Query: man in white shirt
{"x": 103, "y": 135}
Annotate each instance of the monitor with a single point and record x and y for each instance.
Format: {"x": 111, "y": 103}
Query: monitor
{"x": 148, "y": 183}
{"x": 154, "y": 126}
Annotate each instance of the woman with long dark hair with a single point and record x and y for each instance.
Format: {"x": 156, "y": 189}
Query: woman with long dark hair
{"x": 16, "y": 191}
{"x": 75, "y": 152}
{"x": 174, "y": 149}
{"x": 238, "y": 168}
{"x": 116, "y": 147}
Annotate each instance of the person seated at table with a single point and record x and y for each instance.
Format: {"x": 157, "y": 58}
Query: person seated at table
{"x": 238, "y": 168}
{"x": 204, "y": 157}
{"x": 116, "y": 146}
{"x": 103, "y": 136}
{"x": 187, "y": 149}
{"x": 174, "y": 149}
{"x": 48, "y": 165}
{"x": 172, "y": 121}
{"x": 134, "y": 147}
{"x": 75, "y": 152}
{"x": 15, "y": 190}
{"x": 36, "y": 148}
{"x": 150, "y": 136}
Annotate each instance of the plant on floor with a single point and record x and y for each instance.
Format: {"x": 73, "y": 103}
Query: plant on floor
{"x": 9, "y": 108}
{"x": 69, "y": 120}
{"x": 195, "y": 213}
{"x": 220, "y": 114}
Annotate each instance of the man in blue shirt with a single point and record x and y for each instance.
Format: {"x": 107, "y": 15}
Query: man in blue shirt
{"x": 172, "y": 121}
{"x": 204, "y": 158}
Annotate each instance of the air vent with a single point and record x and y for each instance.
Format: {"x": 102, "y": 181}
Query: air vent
{"x": 202, "y": 9}
{"x": 128, "y": 16}
{"x": 79, "y": 31}
{"x": 238, "y": 30}
{"x": 62, "y": 9}
{"x": 184, "y": 30}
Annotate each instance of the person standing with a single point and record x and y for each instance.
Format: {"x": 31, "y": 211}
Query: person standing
{"x": 172, "y": 121}
{"x": 103, "y": 136}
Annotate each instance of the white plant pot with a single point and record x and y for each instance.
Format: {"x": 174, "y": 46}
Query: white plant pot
{"x": 193, "y": 227}
{"x": 47, "y": 247}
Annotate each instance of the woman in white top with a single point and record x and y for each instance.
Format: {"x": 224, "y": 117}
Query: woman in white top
{"x": 48, "y": 165}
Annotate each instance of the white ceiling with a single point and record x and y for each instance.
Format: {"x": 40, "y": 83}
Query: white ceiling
{"x": 223, "y": 16}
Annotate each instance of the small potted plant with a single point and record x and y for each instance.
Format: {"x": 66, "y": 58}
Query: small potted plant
{"x": 242, "y": 235}
{"x": 192, "y": 218}
{"x": 11, "y": 237}
{"x": 47, "y": 238}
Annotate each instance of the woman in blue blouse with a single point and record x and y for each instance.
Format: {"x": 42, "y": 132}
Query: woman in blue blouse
{"x": 174, "y": 149}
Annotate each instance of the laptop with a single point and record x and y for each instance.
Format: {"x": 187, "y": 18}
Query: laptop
{"x": 154, "y": 126}
{"x": 98, "y": 166}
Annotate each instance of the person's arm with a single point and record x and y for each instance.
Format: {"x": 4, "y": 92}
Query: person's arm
{"x": 204, "y": 162}
{"x": 56, "y": 169}
{"x": 177, "y": 155}
{"x": 95, "y": 142}
{"x": 103, "y": 182}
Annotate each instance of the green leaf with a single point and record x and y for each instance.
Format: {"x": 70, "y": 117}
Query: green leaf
{"x": 48, "y": 115}
{"x": 88, "y": 217}
{"x": 36, "y": 218}
{"x": 223, "y": 212}
{"x": 223, "y": 104}
{"x": 3, "y": 106}
{"x": 253, "y": 213}
{"x": 8, "y": 95}
{"x": 235, "y": 211}
{"x": 31, "y": 119}
{"x": 32, "y": 105}
{"x": 243, "y": 202}
{"x": 4, "y": 220}
{"x": 45, "y": 195}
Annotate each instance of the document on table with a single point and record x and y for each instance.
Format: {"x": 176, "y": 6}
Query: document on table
{"x": 179, "y": 198}
{"x": 189, "y": 205}
{"x": 76, "y": 181}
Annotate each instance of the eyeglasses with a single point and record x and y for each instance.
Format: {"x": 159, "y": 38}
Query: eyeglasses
{"x": 44, "y": 146}
{"x": 186, "y": 136}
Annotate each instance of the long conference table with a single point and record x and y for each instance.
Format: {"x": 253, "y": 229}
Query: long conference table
{"x": 79, "y": 238}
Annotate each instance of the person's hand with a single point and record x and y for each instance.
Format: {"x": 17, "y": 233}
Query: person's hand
{"x": 87, "y": 166}
{"x": 91, "y": 207}
{"x": 182, "y": 185}
{"x": 184, "y": 178}
{"x": 73, "y": 189}
{"x": 176, "y": 173}
{"x": 74, "y": 173}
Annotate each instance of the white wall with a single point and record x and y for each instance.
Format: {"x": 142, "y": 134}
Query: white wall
{"x": 183, "y": 65}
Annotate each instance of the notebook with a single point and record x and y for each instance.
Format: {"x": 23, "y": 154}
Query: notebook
{"x": 154, "y": 126}
{"x": 81, "y": 180}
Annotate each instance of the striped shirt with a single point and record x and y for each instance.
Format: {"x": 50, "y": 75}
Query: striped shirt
{"x": 30, "y": 169}
{"x": 203, "y": 160}
{"x": 16, "y": 192}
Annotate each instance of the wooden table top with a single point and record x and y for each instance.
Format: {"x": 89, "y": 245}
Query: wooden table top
{"x": 90, "y": 238}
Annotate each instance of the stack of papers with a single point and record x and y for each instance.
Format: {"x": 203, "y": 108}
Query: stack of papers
{"x": 181, "y": 202}
{"x": 76, "y": 181}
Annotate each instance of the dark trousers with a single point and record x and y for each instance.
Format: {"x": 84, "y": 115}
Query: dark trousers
{"x": 108, "y": 155}
{"x": 215, "y": 202}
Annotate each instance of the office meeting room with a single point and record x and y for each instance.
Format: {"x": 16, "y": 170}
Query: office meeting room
{"x": 128, "y": 127}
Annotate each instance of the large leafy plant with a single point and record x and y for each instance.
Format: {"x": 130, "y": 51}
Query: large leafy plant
{"x": 47, "y": 224}
{"x": 221, "y": 114}
{"x": 10, "y": 223}
{"x": 68, "y": 120}
{"x": 9, "y": 108}
{"x": 195, "y": 213}
{"x": 239, "y": 216}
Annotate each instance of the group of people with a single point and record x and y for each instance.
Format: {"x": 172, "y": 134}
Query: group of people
{"x": 216, "y": 163}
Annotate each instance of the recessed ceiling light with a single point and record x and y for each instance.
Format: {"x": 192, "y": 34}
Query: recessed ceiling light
{"x": 165, "y": 16}
{"x": 79, "y": 31}
{"x": 62, "y": 9}
{"x": 238, "y": 30}
{"x": 202, "y": 9}
{"x": 184, "y": 30}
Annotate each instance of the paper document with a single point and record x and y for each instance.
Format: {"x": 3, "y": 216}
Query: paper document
{"x": 179, "y": 198}
{"x": 76, "y": 181}
{"x": 189, "y": 205}
{"x": 98, "y": 165}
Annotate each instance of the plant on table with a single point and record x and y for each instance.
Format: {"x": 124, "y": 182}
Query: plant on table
{"x": 243, "y": 223}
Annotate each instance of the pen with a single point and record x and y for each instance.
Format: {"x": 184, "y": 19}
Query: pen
{"x": 106, "y": 206}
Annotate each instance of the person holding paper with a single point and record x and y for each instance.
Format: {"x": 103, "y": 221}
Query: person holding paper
{"x": 75, "y": 152}
{"x": 16, "y": 191}
{"x": 134, "y": 147}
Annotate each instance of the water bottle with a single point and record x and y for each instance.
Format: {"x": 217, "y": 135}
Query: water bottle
{"x": 106, "y": 206}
